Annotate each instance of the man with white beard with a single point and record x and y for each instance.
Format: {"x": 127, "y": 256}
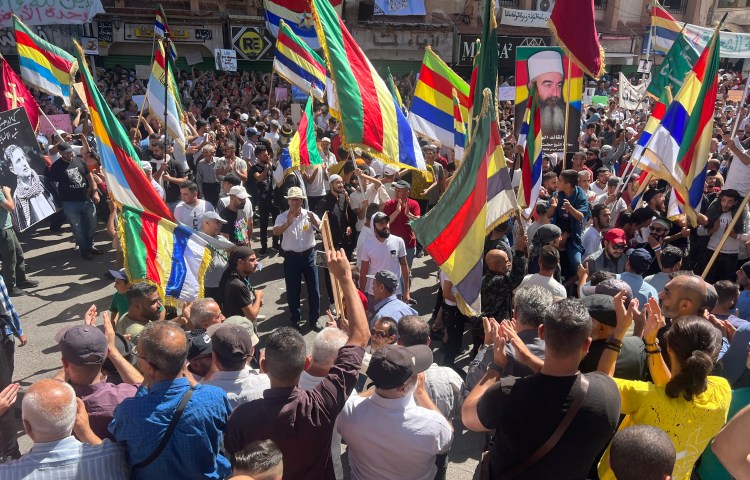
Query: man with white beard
{"x": 546, "y": 69}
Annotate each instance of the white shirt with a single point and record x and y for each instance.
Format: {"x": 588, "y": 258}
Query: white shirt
{"x": 363, "y": 236}
{"x": 382, "y": 256}
{"x": 242, "y": 386}
{"x": 595, "y": 188}
{"x": 191, "y": 215}
{"x": 732, "y": 245}
{"x": 316, "y": 188}
{"x": 374, "y": 195}
{"x": 158, "y": 189}
{"x": 300, "y": 235}
{"x": 548, "y": 283}
{"x": 592, "y": 241}
{"x": 392, "y": 438}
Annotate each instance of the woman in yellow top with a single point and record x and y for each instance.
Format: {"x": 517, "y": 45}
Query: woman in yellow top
{"x": 687, "y": 403}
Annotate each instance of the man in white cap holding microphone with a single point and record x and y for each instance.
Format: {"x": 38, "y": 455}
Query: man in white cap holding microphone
{"x": 297, "y": 229}
{"x": 546, "y": 69}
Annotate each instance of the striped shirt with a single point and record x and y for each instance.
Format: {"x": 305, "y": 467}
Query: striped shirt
{"x": 69, "y": 459}
{"x": 6, "y": 308}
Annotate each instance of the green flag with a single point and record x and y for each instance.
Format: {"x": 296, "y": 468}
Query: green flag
{"x": 678, "y": 62}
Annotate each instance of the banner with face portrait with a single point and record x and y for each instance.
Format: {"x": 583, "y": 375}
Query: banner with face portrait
{"x": 22, "y": 170}
{"x": 547, "y": 66}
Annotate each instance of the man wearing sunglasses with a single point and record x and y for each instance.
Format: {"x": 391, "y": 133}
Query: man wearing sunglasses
{"x": 610, "y": 258}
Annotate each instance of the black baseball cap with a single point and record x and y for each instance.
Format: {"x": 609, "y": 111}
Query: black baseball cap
{"x": 394, "y": 365}
{"x": 198, "y": 345}
{"x": 601, "y": 308}
{"x": 231, "y": 342}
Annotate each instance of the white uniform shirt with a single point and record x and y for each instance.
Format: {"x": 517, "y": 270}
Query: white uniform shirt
{"x": 382, "y": 256}
{"x": 392, "y": 438}
{"x": 242, "y": 386}
{"x": 191, "y": 215}
{"x": 300, "y": 235}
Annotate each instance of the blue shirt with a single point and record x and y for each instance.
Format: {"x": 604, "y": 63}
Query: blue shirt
{"x": 69, "y": 459}
{"x": 743, "y": 305}
{"x": 193, "y": 451}
{"x": 566, "y": 222}
{"x": 641, "y": 289}
{"x": 6, "y": 308}
{"x": 734, "y": 361}
{"x": 391, "y": 307}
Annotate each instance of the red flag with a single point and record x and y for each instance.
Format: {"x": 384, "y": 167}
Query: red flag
{"x": 14, "y": 94}
{"x": 573, "y": 24}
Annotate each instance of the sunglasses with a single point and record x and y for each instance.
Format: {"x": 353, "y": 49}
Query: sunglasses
{"x": 378, "y": 333}
{"x": 618, "y": 247}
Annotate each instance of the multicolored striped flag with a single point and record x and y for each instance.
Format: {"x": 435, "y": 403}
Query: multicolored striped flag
{"x": 657, "y": 113}
{"x": 459, "y": 127}
{"x": 43, "y": 65}
{"x": 664, "y": 29}
{"x": 370, "y": 117}
{"x": 173, "y": 257}
{"x": 126, "y": 182}
{"x": 453, "y": 231}
{"x": 298, "y": 64}
{"x": 161, "y": 29}
{"x": 573, "y": 24}
{"x": 485, "y": 64}
{"x": 158, "y": 84}
{"x": 303, "y": 148}
{"x": 530, "y": 140}
{"x": 14, "y": 94}
{"x": 674, "y": 69}
{"x": 394, "y": 91}
{"x": 431, "y": 110}
{"x": 678, "y": 149}
{"x": 297, "y": 14}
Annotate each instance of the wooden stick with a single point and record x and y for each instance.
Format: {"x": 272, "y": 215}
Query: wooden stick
{"x": 567, "y": 116}
{"x": 328, "y": 246}
{"x": 737, "y": 118}
{"x": 723, "y": 240}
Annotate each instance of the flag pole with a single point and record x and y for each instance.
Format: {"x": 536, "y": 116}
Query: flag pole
{"x": 739, "y": 108}
{"x": 271, "y": 96}
{"x": 166, "y": 40}
{"x": 724, "y": 237}
{"x": 567, "y": 115}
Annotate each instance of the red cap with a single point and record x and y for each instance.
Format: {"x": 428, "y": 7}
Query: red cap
{"x": 616, "y": 236}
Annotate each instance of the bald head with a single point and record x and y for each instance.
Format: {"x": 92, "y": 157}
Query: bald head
{"x": 49, "y": 410}
{"x": 163, "y": 346}
{"x": 497, "y": 261}
{"x": 683, "y": 295}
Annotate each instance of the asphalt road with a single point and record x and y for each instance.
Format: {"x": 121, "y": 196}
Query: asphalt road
{"x": 68, "y": 285}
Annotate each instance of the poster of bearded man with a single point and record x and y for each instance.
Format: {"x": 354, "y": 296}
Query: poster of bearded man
{"x": 547, "y": 66}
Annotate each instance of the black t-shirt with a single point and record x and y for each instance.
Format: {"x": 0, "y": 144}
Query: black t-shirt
{"x": 71, "y": 178}
{"x": 172, "y": 190}
{"x": 230, "y": 228}
{"x": 237, "y": 295}
{"x": 526, "y": 411}
{"x": 265, "y": 187}
{"x": 631, "y": 361}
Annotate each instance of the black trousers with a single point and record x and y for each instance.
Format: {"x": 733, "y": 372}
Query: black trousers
{"x": 8, "y": 441}
{"x": 454, "y": 322}
{"x": 211, "y": 192}
{"x": 267, "y": 209}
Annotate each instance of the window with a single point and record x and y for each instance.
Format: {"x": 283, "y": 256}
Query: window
{"x": 600, "y": 4}
{"x": 675, "y": 6}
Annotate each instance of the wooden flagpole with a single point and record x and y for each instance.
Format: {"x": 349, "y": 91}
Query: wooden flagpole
{"x": 567, "y": 116}
{"x": 724, "y": 238}
{"x": 329, "y": 246}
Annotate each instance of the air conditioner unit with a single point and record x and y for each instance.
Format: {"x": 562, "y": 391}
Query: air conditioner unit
{"x": 545, "y": 5}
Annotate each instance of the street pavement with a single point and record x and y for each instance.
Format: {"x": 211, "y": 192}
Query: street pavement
{"x": 68, "y": 285}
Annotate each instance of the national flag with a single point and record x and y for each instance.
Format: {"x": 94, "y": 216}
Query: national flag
{"x": 297, "y": 14}
{"x": 431, "y": 109}
{"x": 303, "y": 147}
{"x": 173, "y": 257}
{"x": 298, "y": 64}
{"x": 678, "y": 149}
{"x": 161, "y": 29}
{"x": 459, "y": 127}
{"x": 159, "y": 83}
{"x": 664, "y": 29}
{"x": 43, "y": 65}
{"x": 126, "y": 182}
{"x": 573, "y": 24}
{"x": 370, "y": 117}
{"x": 14, "y": 94}
{"x": 675, "y": 67}
{"x": 453, "y": 231}
{"x": 657, "y": 113}
{"x": 643, "y": 180}
{"x": 531, "y": 141}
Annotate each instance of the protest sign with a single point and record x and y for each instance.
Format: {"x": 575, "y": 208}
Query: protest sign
{"x": 51, "y": 123}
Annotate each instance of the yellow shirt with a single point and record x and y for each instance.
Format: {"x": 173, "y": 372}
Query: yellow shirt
{"x": 419, "y": 183}
{"x": 690, "y": 424}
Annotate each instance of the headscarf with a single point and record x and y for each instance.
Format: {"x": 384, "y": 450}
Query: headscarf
{"x": 543, "y": 236}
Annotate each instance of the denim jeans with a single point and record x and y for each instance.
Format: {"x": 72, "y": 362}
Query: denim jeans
{"x": 296, "y": 267}
{"x": 82, "y": 217}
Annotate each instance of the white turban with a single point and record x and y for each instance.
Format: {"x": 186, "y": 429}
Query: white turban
{"x": 544, "y": 62}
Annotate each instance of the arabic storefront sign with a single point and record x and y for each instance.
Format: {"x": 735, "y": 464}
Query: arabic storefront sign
{"x": 50, "y": 12}
{"x": 506, "y": 49}
{"x": 104, "y": 31}
{"x": 252, "y": 43}
{"x": 524, "y": 18}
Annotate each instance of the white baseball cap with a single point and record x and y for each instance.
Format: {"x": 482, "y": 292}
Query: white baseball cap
{"x": 239, "y": 192}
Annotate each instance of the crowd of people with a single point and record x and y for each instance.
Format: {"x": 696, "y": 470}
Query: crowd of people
{"x": 594, "y": 308}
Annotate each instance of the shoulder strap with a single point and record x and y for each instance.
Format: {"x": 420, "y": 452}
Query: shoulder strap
{"x": 556, "y": 435}
{"x": 170, "y": 429}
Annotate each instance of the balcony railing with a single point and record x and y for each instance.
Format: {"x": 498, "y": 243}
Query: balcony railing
{"x": 507, "y": 3}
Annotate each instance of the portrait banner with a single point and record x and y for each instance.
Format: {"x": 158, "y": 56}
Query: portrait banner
{"x": 548, "y": 67}
{"x": 22, "y": 170}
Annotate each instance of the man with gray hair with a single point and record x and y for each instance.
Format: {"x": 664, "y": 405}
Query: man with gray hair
{"x": 142, "y": 423}
{"x": 530, "y": 306}
{"x": 49, "y": 412}
{"x": 204, "y": 312}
